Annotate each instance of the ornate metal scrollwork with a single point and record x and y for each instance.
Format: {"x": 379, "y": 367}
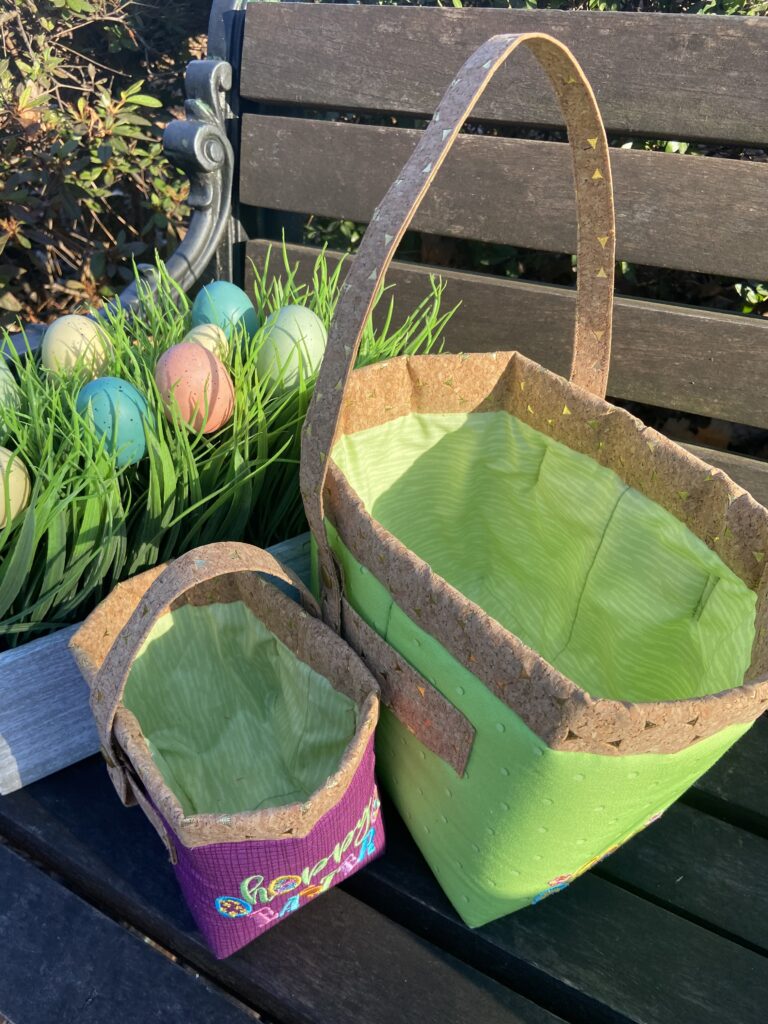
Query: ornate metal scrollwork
{"x": 199, "y": 146}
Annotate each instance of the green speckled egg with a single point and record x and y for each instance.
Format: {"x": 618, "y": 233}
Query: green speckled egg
{"x": 293, "y": 336}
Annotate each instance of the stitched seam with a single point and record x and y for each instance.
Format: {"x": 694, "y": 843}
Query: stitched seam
{"x": 706, "y": 594}
{"x": 587, "y": 575}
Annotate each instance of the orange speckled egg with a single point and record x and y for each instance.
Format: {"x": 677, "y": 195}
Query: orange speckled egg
{"x": 193, "y": 379}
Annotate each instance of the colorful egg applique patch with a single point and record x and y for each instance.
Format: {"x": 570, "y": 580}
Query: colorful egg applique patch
{"x": 233, "y": 906}
{"x": 283, "y": 884}
{"x": 548, "y": 892}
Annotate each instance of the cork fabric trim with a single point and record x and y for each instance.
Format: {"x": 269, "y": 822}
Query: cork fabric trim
{"x": 419, "y": 705}
{"x": 715, "y": 509}
{"x": 292, "y": 820}
{"x": 596, "y": 250}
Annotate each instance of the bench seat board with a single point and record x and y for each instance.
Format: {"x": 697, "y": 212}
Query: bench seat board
{"x": 672, "y": 78}
{"x": 521, "y": 192}
{"x": 63, "y": 960}
{"x": 597, "y": 953}
{"x": 677, "y": 357}
{"x": 336, "y": 962}
{"x": 595, "y": 942}
{"x": 722, "y": 885}
{"x": 737, "y": 787}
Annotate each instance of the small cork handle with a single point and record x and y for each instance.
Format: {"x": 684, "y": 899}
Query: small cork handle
{"x": 178, "y": 577}
{"x": 595, "y": 253}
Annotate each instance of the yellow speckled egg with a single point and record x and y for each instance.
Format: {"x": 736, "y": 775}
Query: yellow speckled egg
{"x": 195, "y": 381}
{"x": 71, "y": 339}
{"x": 14, "y": 485}
{"x": 10, "y": 395}
{"x": 210, "y": 336}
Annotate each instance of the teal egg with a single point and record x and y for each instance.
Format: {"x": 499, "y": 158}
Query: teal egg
{"x": 117, "y": 411}
{"x": 224, "y": 304}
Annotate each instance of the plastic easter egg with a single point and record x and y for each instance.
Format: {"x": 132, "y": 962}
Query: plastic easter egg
{"x": 73, "y": 339}
{"x": 293, "y": 336}
{"x": 224, "y": 304}
{"x": 117, "y": 411}
{"x": 14, "y": 485}
{"x": 10, "y": 395}
{"x": 210, "y": 336}
{"x": 193, "y": 380}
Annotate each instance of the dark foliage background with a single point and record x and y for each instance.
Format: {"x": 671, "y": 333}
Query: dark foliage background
{"x": 85, "y": 89}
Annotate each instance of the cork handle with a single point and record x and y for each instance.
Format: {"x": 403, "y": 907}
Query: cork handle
{"x": 178, "y": 577}
{"x": 595, "y": 252}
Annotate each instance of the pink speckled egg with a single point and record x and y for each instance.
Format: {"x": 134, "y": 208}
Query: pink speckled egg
{"x": 193, "y": 379}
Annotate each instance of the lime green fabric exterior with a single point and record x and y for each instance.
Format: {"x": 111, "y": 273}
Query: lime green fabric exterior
{"x": 234, "y": 721}
{"x": 603, "y": 582}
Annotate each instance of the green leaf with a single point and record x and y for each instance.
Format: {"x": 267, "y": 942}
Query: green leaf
{"x": 142, "y": 100}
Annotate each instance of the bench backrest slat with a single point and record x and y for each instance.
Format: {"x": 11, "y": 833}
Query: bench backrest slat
{"x": 659, "y": 76}
{"x": 672, "y": 211}
{"x": 670, "y": 77}
{"x": 670, "y": 356}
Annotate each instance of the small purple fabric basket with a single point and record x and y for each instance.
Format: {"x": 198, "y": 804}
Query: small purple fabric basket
{"x": 241, "y": 872}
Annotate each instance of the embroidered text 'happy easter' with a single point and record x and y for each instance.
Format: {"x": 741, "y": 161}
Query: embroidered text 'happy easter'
{"x": 255, "y": 895}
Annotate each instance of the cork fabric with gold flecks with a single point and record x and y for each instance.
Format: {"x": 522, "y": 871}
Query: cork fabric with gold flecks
{"x": 111, "y": 638}
{"x": 573, "y": 412}
{"x": 595, "y": 253}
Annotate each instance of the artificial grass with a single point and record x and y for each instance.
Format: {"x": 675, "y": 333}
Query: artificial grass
{"x": 90, "y": 525}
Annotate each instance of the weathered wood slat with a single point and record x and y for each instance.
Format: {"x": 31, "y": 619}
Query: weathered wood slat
{"x": 335, "y": 962}
{"x": 64, "y": 961}
{"x": 751, "y": 474}
{"x": 676, "y": 77}
{"x": 713, "y": 872}
{"x": 677, "y": 357}
{"x": 736, "y": 789}
{"x": 516, "y": 191}
{"x": 605, "y": 953}
{"x": 45, "y": 720}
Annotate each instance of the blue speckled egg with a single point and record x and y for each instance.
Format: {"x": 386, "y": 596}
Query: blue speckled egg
{"x": 224, "y": 304}
{"x": 117, "y": 411}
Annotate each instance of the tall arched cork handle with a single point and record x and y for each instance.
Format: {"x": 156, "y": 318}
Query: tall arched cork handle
{"x": 177, "y": 578}
{"x": 595, "y": 251}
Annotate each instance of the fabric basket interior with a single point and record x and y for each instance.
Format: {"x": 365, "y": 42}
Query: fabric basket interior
{"x": 604, "y": 583}
{"x": 233, "y": 719}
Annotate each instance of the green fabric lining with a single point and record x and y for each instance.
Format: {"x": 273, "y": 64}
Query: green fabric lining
{"x": 603, "y": 582}
{"x": 233, "y": 719}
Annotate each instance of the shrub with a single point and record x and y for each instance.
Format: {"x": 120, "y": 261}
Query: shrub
{"x": 83, "y": 184}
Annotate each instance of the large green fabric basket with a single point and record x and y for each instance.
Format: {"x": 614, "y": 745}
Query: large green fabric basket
{"x": 560, "y": 604}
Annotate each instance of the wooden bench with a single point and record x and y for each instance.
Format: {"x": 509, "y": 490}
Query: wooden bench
{"x": 673, "y": 929}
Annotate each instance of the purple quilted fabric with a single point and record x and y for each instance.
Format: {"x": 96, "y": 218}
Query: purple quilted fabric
{"x": 238, "y": 890}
